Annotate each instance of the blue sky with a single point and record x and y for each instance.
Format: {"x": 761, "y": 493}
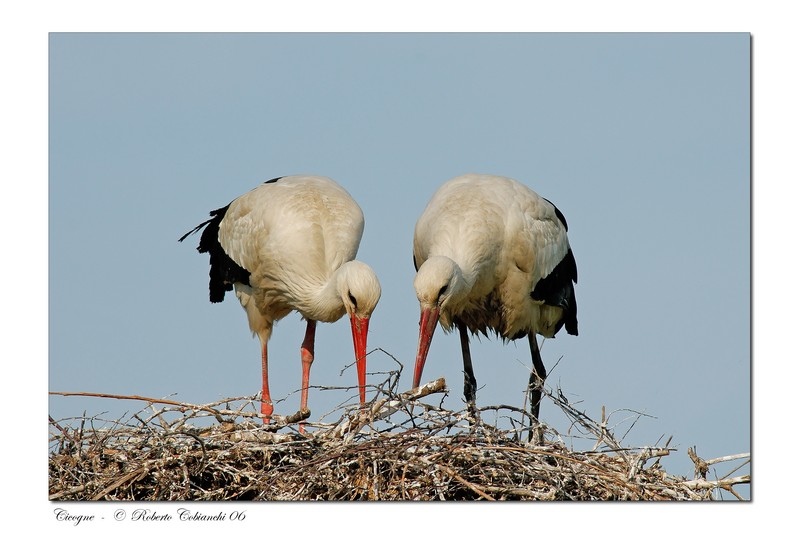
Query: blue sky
{"x": 641, "y": 140}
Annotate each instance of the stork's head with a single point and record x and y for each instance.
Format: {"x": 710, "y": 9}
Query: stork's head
{"x": 440, "y": 286}
{"x": 360, "y": 291}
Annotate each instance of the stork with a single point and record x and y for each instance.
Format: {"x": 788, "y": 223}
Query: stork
{"x": 290, "y": 245}
{"x": 492, "y": 255}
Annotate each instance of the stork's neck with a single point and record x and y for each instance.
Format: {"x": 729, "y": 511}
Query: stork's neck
{"x": 465, "y": 270}
{"x": 325, "y": 303}
{"x": 468, "y": 272}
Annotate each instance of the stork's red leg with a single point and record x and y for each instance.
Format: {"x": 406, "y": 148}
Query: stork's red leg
{"x": 266, "y": 399}
{"x": 307, "y": 356}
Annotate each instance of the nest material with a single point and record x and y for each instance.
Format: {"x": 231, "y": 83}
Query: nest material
{"x": 396, "y": 448}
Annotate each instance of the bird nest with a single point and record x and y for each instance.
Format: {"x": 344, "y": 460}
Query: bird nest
{"x": 397, "y": 447}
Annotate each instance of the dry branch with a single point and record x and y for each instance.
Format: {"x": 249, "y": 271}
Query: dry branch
{"x": 383, "y": 408}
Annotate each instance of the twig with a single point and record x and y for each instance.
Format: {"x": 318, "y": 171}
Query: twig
{"x": 727, "y": 483}
{"x": 217, "y": 414}
{"x": 700, "y": 466}
{"x": 728, "y": 458}
{"x": 383, "y": 408}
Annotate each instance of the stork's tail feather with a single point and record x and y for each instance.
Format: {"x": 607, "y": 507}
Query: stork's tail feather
{"x": 557, "y": 289}
{"x": 570, "y": 312}
{"x": 224, "y": 271}
{"x": 195, "y": 230}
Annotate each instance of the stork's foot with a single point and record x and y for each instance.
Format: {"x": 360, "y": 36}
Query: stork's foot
{"x": 266, "y": 412}
{"x": 536, "y": 437}
{"x": 472, "y": 415}
{"x": 470, "y": 391}
{"x": 535, "y": 434}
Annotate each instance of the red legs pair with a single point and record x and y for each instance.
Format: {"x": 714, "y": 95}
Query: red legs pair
{"x": 307, "y": 357}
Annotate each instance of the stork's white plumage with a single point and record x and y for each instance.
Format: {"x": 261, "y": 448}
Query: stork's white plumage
{"x": 492, "y": 255}
{"x": 290, "y": 245}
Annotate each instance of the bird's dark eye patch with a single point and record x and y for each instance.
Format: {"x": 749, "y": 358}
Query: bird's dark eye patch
{"x": 352, "y": 299}
{"x": 442, "y": 291}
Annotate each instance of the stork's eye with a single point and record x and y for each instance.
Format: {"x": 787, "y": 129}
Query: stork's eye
{"x": 352, "y": 299}
{"x": 442, "y": 291}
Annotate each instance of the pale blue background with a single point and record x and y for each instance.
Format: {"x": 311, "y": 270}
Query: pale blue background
{"x": 641, "y": 140}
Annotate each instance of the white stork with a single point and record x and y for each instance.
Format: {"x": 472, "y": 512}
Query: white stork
{"x": 290, "y": 245}
{"x": 492, "y": 255}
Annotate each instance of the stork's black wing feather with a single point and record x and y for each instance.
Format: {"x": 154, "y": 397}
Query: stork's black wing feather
{"x": 557, "y": 289}
{"x": 559, "y": 215}
{"x": 224, "y": 270}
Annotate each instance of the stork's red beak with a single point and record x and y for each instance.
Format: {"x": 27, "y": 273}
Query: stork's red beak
{"x": 427, "y": 326}
{"x": 360, "y": 328}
